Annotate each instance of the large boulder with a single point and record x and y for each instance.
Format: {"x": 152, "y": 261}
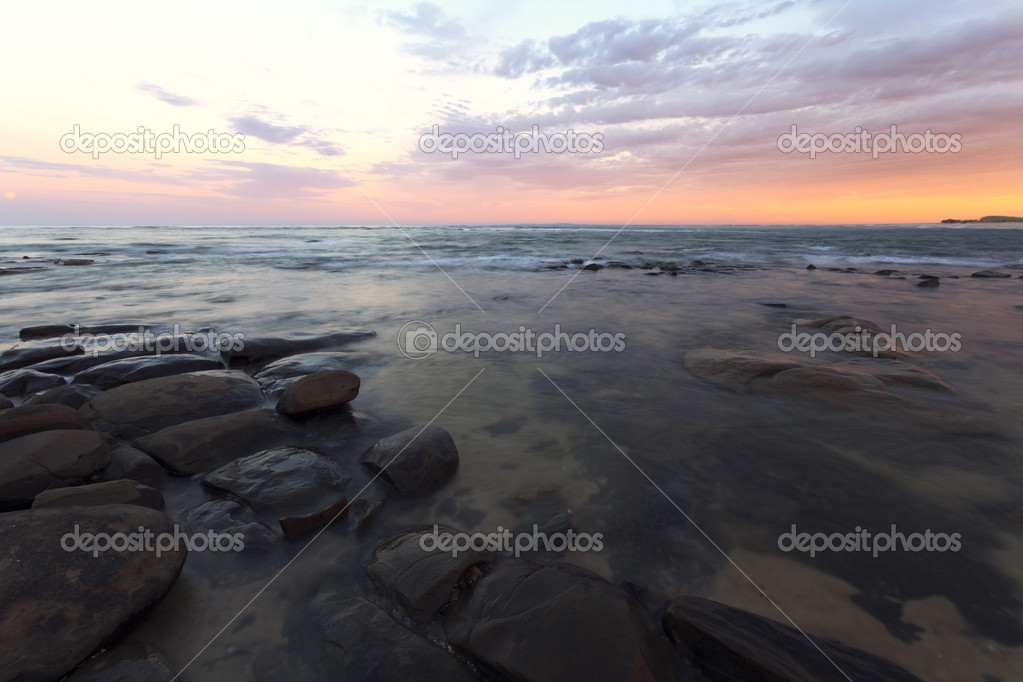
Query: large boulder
{"x": 99, "y": 494}
{"x": 265, "y": 348}
{"x": 731, "y": 644}
{"x": 26, "y": 419}
{"x": 58, "y": 604}
{"x": 128, "y": 462}
{"x": 24, "y": 381}
{"x": 298, "y": 489}
{"x": 280, "y": 374}
{"x": 414, "y": 461}
{"x": 129, "y": 370}
{"x": 145, "y": 407}
{"x": 205, "y": 444}
{"x": 317, "y": 392}
{"x": 50, "y": 459}
{"x": 557, "y": 622}
{"x": 71, "y": 395}
{"x": 126, "y": 662}
{"x": 421, "y": 581}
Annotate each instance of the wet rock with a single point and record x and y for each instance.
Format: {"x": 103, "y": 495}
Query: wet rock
{"x": 593, "y": 267}
{"x": 298, "y": 489}
{"x": 127, "y": 662}
{"x": 775, "y": 305}
{"x": 50, "y": 331}
{"x": 51, "y": 459}
{"x": 929, "y": 277}
{"x": 98, "y": 494}
{"x": 811, "y": 266}
{"x": 229, "y": 516}
{"x": 127, "y": 462}
{"x": 58, "y": 606}
{"x": 731, "y": 644}
{"x": 929, "y": 283}
{"x": 31, "y": 352}
{"x": 73, "y": 261}
{"x": 815, "y": 379}
{"x": 895, "y": 373}
{"x": 22, "y": 381}
{"x": 266, "y": 348}
{"x": 421, "y": 582}
{"x": 129, "y": 370}
{"x": 26, "y": 419}
{"x": 71, "y": 395}
{"x": 144, "y": 407}
{"x": 735, "y": 368}
{"x": 576, "y": 261}
{"x": 5, "y": 403}
{"x": 886, "y": 273}
{"x": 278, "y": 375}
{"x": 414, "y": 461}
{"x": 363, "y": 511}
{"x": 991, "y": 274}
{"x": 556, "y": 622}
{"x": 205, "y": 444}
{"x": 317, "y": 392}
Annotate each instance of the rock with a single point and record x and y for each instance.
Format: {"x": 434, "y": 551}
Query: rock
{"x": 734, "y": 369}
{"x": 929, "y": 277}
{"x": 929, "y": 283}
{"x": 73, "y": 261}
{"x": 99, "y": 494}
{"x": 71, "y": 395}
{"x": 593, "y": 267}
{"x": 33, "y": 463}
{"x": 21, "y": 381}
{"x": 776, "y": 305}
{"x": 144, "y": 407}
{"x": 129, "y": 370}
{"x": 414, "y": 461}
{"x": 21, "y": 421}
{"x": 31, "y": 352}
{"x": 811, "y": 266}
{"x": 813, "y": 379}
{"x": 205, "y": 444}
{"x": 318, "y": 392}
{"x": 298, "y": 489}
{"x": 986, "y": 274}
{"x": 279, "y": 375}
{"x": 58, "y": 606}
{"x": 265, "y": 348}
{"x": 557, "y": 622}
{"x": 886, "y": 273}
{"x": 50, "y": 331}
{"x": 353, "y": 639}
{"x": 895, "y": 373}
{"x": 421, "y": 582}
{"x": 576, "y": 261}
{"x": 731, "y": 644}
{"x": 228, "y": 516}
{"x": 5, "y": 403}
{"x": 127, "y": 462}
{"x": 127, "y": 662}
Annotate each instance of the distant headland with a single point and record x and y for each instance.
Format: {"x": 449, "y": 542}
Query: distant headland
{"x": 986, "y": 219}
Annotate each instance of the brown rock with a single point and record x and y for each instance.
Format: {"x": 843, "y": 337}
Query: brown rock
{"x": 317, "y": 392}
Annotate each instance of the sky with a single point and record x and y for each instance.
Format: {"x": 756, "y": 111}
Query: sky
{"x": 317, "y": 112}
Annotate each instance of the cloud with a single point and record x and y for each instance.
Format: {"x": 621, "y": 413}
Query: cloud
{"x": 435, "y": 36}
{"x": 270, "y": 180}
{"x": 168, "y": 97}
{"x": 284, "y": 134}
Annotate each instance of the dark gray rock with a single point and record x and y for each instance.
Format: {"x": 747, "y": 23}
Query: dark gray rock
{"x": 71, "y": 395}
{"x": 298, "y": 489}
{"x": 99, "y": 494}
{"x": 50, "y": 459}
{"x": 127, "y": 662}
{"x": 23, "y": 381}
{"x": 929, "y": 283}
{"x": 58, "y": 606}
{"x": 414, "y": 461}
{"x": 26, "y": 419}
{"x": 228, "y": 516}
{"x": 127, "y": 462}
{"x": 991, "y": 274}
{"x": 266, "y": 348}
{"x": 31, "y": 352}
{"x": 205, "y": 444}
{"x": 129, "y": 370}
{"x": 732, "y": 644}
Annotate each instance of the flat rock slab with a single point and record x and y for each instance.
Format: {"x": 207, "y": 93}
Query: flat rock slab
{"x": 991, "y": 274}
{"x": 99, "y": 494}
{"x": 50, "y": 459}
{"x": 265, "y": 348}
{"x": 298, "y": 489}
{"x": 145, "y": 407}
{"x": 58, "y": 606}
{"x": 21, "y": 421}
{"x": 421, "y": 582}
{"x": 206, "y": 444}
{"x": 16, "y": 382}
{"x": 414, "y": 461}
{"x": 129, "y": 370}
{"x": 318, "y": 392}
{"x": 31, "y": 352}
{"x": 736, "y": 368}
{"x": 732, "y": 644}
{"x": 71, "y": 395}
{"x": 557, "y": 622}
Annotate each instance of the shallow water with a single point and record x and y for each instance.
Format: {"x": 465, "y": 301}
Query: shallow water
{"x": 688, "y": 482}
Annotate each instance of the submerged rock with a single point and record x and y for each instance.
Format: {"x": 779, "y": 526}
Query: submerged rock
{"x": 228, "y": 516}
{"x": 58, "y": 605}
{"x": 735, "y": 368}
{"x": 414, "y": 461}
{"x": 731, "y": 644}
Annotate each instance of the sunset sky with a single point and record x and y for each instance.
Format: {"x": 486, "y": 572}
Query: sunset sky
{"x": 332, "y": 99}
